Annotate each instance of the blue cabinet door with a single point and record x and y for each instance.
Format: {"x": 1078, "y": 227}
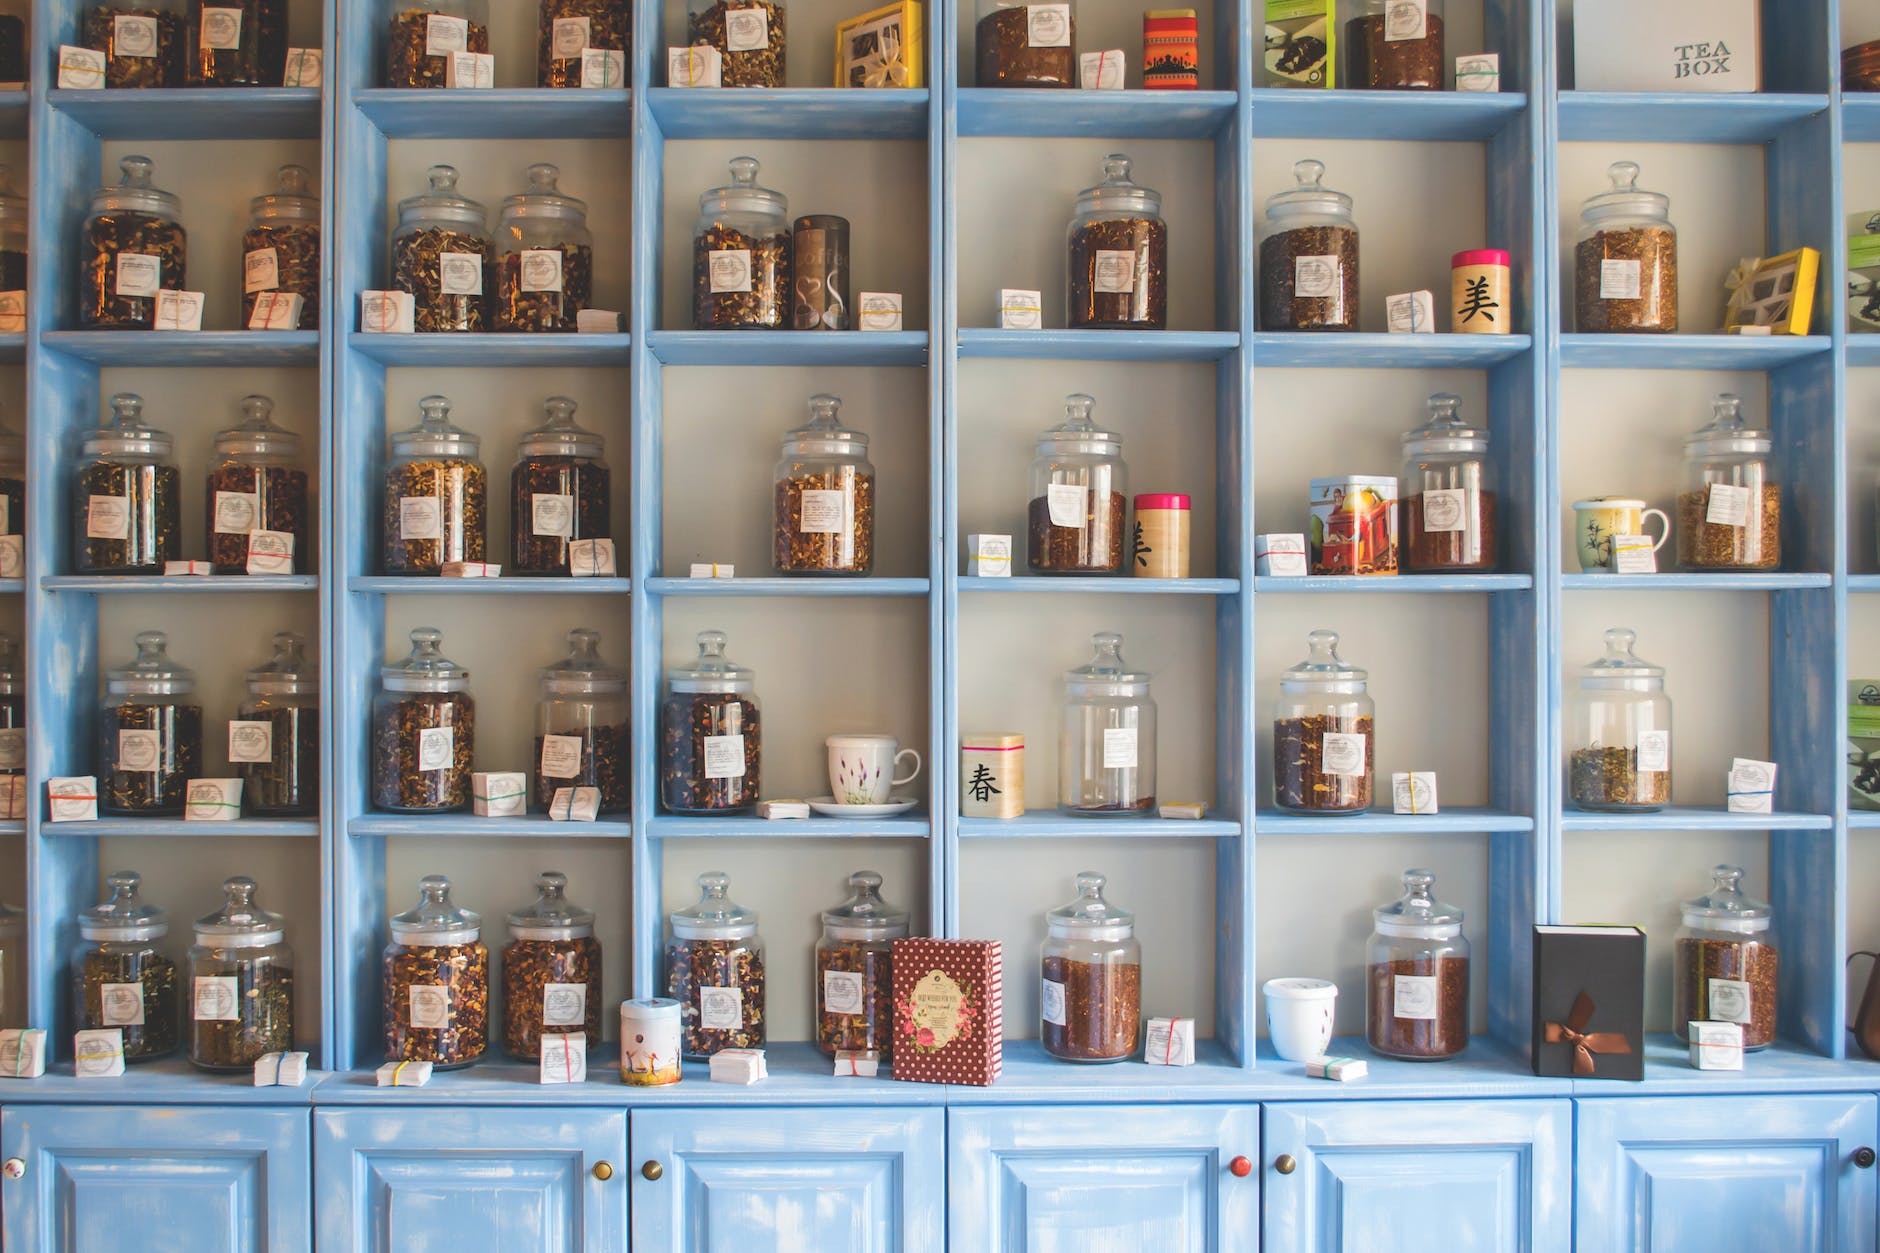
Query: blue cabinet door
{"x": 197, "y": 1180}
{"x": 431, "y": 1180}
{"x": 1410, "y": 1176}
{"x": 858, "y": 1180}
{"x": 1725, "y": 1174}
{"x": 1103, "y": 1178}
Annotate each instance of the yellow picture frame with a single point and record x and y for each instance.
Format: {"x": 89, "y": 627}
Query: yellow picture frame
{"x": 855, "y": 36}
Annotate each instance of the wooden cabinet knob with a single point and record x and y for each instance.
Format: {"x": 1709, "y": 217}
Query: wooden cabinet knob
{"x": 603, "y": 1171}
{"x": 1285, "y": 1164}
{"x": 651, "y": 1170}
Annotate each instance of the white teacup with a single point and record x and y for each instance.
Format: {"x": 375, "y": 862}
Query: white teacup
{"x": 1299, "y": 1017}
{"x": 861, "y": 768}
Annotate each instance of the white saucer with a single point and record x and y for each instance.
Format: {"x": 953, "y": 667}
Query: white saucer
{"x": 829, "y": 807}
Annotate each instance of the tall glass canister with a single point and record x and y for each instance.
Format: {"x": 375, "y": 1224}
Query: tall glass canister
{"x": 1106, "y": 743}
{"x": 1618, "y": 731}
{"x": 1324, "y": 734}
{"x": 241, "y": 983}
{"x": 1079, "y": 496}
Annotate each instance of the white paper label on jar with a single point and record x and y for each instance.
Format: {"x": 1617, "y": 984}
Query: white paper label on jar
{"x": 1114, "y": 270}
{"x": 121, "y": 1004}
{"x": 445, "y": 35}
{"x": 730, "y": 269}
{"x": 1066, "y": 503}
{"x": 721, "y": 1009}
{"x": 138, "y": 274}
{"x": 430, "y": 1005}
{"x": 133, "y": 36}
{"x": 822, "y": 511}
{"x": 420, "y": 517}
{"x": 140, "y": 750}
{"x": 1413, "y": 996}
{"x": 1048, "y": 25}
{"x": 12, "y": 556}
{"x": 747, "y": 30}
{"x": 216, "y": 998}
{"x": 1729, "y": 1000}
{"x": 842, "y": 992}
{"x": 564, "y": 1004}
{"x": 221, "y": 28}
{"x": 1405, "y": 19}
{"x": 250, "y": 741}
{"x": 1728, "y": 505}
{"x": 1445, "y": 508}
{"x": 724, "y": 756}
{"x": 552, "y": 513}
{"x": 1618, "y": 279}
{"x": 12, "y": 748}
{"x": 261, "y": 270}
{"x": 437, "y": 748}
{"x": 107, "y": 517}
{"x": 1119, "y": 748}
{"x": 541, "y": 269}
{"x": 1317, "y": 276}
{"x": 561, "y": 756}
{"x": 1051, "y": 1002}
{"x": 1654, "y": 752}
{"x": 236, "y": 512}
{"x": 459, "y": 274}
{"x": 570, "y": 37}
{"x": 1341, "y": 752}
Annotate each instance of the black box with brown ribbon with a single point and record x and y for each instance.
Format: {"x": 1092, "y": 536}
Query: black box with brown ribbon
{"x": 1589, "y": 1002}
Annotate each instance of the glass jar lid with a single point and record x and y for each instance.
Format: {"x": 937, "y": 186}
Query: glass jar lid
{"x": 1309, "y": 196}
{"x": 1624, "y": 198}
{"x": 442, "y": 203}
{"x": 1619, "y": 668}
{"x": 543, "y": 199}
{"x": 582, "y": 671}
{"x": 1077, "y": 434}
{"x": 1725, "y": 907}
{"x": 1417, "y": 914}
{"x": 153, "y": 672}
{"x": 240, "y": 923}
{"x": 716, "y": 916}
{"x": 288, "y": 672}
{"x": 1106, "y": 674}
{"x": 435, "y": 435}
{"x": 426, "y": 669}
{"x": 552, "y": 916}
{"x": 293, "y": 201}
{"x": 1323, "y": 670}
{"x": 1445, "y": 433}
{"x": 1725, "y": 435}
{"x": 1118, "y": 195}
{"x": 559, "y": 436}
{"x": 258, "y": 436}
{"x": 743, "y": 195}
{"x": 12, "y": 204}
{"x": 825, "y": 436}
{"x": 865, "y": 916}
{"x": 9, "y": 664}
{"x": 1090, "y": 917}
{"x": 434, "y": 920}
{"x": 125, "y": 433}
{"x": 712, "y": 671}
{"x": 126, "y": 916}
{"x": 135, "y": 192}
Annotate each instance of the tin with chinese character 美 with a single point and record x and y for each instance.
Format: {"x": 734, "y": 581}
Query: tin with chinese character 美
{"x": 1478, "y": 292}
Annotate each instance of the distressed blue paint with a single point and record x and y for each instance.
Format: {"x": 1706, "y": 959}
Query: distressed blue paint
{"x": 503, "y": 113}
{"x": 383, "y": 584}
{"x": 1099, "y": 585}
{"x": 789, "y": 587}
{"x": 1288, "y": 349}
{"x": 792, "y": 348}
{"x": 480, "y": 350}
{"x": 1009, "y": 112}
{"x": 1678, "y": 581}
{"x": 1407, "y": 584}
{"x": 193, "y": 112}
{"x": 201, "y": 350}
{"x": 1082, "y": 345}
{"x": 1650, "y": 117}
{"x": 791, "y": 113}
{"x": 1695, "y": 818}
{"x": 1283, "y": 113}
{"x": 1688, "y": 352}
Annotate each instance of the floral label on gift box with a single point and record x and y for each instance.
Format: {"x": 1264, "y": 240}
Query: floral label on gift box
{"x": 937, "y": 1012}
{"x": 948, "y": 1011}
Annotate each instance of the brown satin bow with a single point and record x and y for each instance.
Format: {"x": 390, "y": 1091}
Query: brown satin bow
{"x": 1585, "y": 1044}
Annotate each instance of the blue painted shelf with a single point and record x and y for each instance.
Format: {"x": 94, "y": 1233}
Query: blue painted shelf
{"x": 790, "y": 113}
{"x": 195, "y": 350}
{"x": 459, "y": 825}
{"x": 1068, "y": 345}
{"x": 1392, "y": 585}
{"x": 167, "y": 1081}
{"x": 1864, "y": 820}
{"x": 871, "y": 586}
{"x": 481, "y": 350}
{"x": 1696, "y": 118}
{"x": 188, "y": 585}
{"x": 1860, "y": 124}
{"x": 398, "y": 585}
{"x": 8, "y": 586}
{"x": 194, "y": 112}
{"x": 795, "y": 348}
{"x": 1098, "y": 585}
{"x": 1693, "y": 818}
{"x": 1863, "y": 582}
{"x": 661, "y": 826}
{"x": 1457, "y": 819}
{"x": 13, "y": 114}
{"x": 1020, "y": 113}
{"x": 1284, "y": 113}
{"x": 12, "y": 347}
{"x": 1676, "y": 581}
{"x": 1863, "y": 350}
{"x": 1688, "y": 352}
{"x": 504, "y": 113}
{"x": 1311, "y": 350}
{"x": 163, "y": 828}
{"x": 1037, "y": 824}
{"x": 12, "y": 826}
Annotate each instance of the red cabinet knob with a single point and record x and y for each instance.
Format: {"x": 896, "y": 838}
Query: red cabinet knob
{"x": 1240, "y": 1167}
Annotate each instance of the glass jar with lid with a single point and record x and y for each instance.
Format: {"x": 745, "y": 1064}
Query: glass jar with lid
{"x": 749, "y": 35}
{"x": 569, "y": 28}
{"x": 855, "y": 972}
{"x": 1079, "y": 489}
{"x": 13, "y": 211}
{"x": 274, "y": 744}
{"x": 441, "y": 254}
{"x": 126, "y": 500}
{"x": 423, "y": 731}
{"x": 142, "y": 41}
{"x": 1448, "y": 493}
{"x": 149, "y": 732}
{"x": 825, "y": 497}
{"x": 1119, "y": 254}
{"x": 710, "y": 735}
{"x": 1106, "y": 743}
{"x": 133, "y": 248}
{"x": 235, "y": 43}
{"x": 437, "y": 982}
{"x": 1396, "y": 46}
{"x": 1730, "y": 511}
{"x": 544, "y": 257}
{"x": 1026, "y": 45}
{"x": 1091, "y": 996}
{"x": 435, "y": 494}
{"x": 12, "y": 712}
{"x": 581, "y": 725}
{"x": 1324, "y": 734}
{"x": 1724, "y": 963}
{"x": 1625, "y": 258}
{"x": 1309, "y": 257}
{"x": 120, "y": 975}
{"x": 741, "y": 254}
{"x": 551, "y": 972}
{"x": 560, "y": 491}
{"x": 1619, "y": 731}
{"x": 12, "y": 966}
{"x": 281, "y": 247}
{"x": 241, "y": 983}
{"x": 715, "y": 970}
{"x": 1418, "y": 1007}
{"x": 426, "y": 32}
{"x": 257, "y": 498}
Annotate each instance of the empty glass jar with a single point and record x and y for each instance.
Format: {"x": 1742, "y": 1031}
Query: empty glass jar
{"x": 120, "y": 976}
{"x": 436, "y": 495}
{"x": 715, "y": 970}
{"x": 257, "y": 500}
{"x": 426, "y": 32}
{"x": 1079, "y": 496}
{"x": 281, "y": 248}
{"x": 1619, "y": 732}
{"x": 1730, "y": 511}
{"x": 1724, "y": 963}
{"x": 581, "y": 725}
{"x": 441, "y": 254}
{"x": 825, "y": 497}
{"x": 126, "y": 497}
{"x": 241, "y": 983}
{"x": 560, "y": 491}
{"x": 544, "y": 257}
{"x": 437, "y": 982}
{"x": 710, "y": 736}
{"x": 274, "y": 742}
{"x": 149, "y": 733}
{"x": 855, "y": 971}
{"x": 133, "y": 248}
{"x": 1090, "y": 998}
{"x": 1447, "y": 493}
{"x": 551, "y": 972}
{"x": 1418, "y": 1007}
{"x": 1625, "y": 258}
{"x": 1106, "y": 744}
{"x": 423, "y": 731}
{"x": 1324, "y": 734}
{"x": 1309, "y": 257}
{"x": 741, "y": 254}
{"x": 1118, "y": 254}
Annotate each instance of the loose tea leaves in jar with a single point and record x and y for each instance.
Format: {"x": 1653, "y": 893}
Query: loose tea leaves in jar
{"x": 1090, "y": 996}
{"x": 442, "y": 254}
{"x": 436, "y": 982}
{"x": 1602, "y": 778}
{"x": 741, "y": 262}
{"x": 545, "y": 257}
{"x": 120, "y": 977}
{"x": 149, "y": 732}
{"x": 1447, "y": 488}
{"x": 132, "y": 248}
{"x": 126, "y": 511}
{"x": 143, "y": 47}
{"x": 241, "y": 983}
{"x": 256, "y": 485}
{"x": 581, "y": 726}
{"x": 570, "y": 27}
{"x": 1618, "y": 731}
{"x": 855, "y": 970}
{"x": 551, "y": 972}
{"x": 1625, "y": 260}
{"x": 1755, "y": 543}
{"x": 1725, "y": 964}
{"x": 1305, "y": 776}
{"x": 1396, "y": 48}
{"x": 1026, "y": 45}
{"x": 748, "y": 33}
{"x": 1076, "y": 518}
{"x": 421, "y": 44}
{"x": 560, "y": 492}
{"x": 710, "y": 734}
{"x": 824, "y": 514}
{"x": 715, "y": 970}
{"x": 277, "y": 751}
{"x": 235, "y": 43}
{"x": 281, "y": 248}
{"x": 1409, "y": 1020}
{"x": 436, "y": 495}
{"x": 423, "y": 731}
{"x": 1309, "y": 257}
{"x": 1118, "y": 254}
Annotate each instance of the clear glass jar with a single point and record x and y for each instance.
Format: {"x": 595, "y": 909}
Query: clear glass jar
{"x": 715, "y": 970}
{"x": 121, "y": 977}
{"x": 1026, "y": 45}
{"x": 134, "y": 246}
{"x": 741, "y": 254}
{"x": 1396, "y": 47}
{"x": 235, "y": 43}
{"x": 142, "y": 41}
{"x": 570, "y": 27}
{"x": 855, "y": 971}
{"x": 1730, "y": 512}
{"x": 126, "y": 510}
{"x": 1725, "y": 963}
{"x": 12, "y": 967}
{"x": 1418, "y": 1007}
{"x": 560, "y": 490}
{"x": 710, "y": 734}
{"x": 1324, "y": 734}
{"x": 13, "y": 14}
{"x": 749, "y": 34}
{"x": 255, "y": 485}
{"x": 1091, "y": 996}
{"x": 281, "y": 247}
{"x": 12, "y": 708}
{"x": 1106, "y": 743}
{"x": 13, "y": 216}
{"x": 1448, "y": 493}
{"x": 1079, "y": 496}
{"x": 824, "y": 519}
{"x": 423, "y": 731}
{"x": 426, "y": 32}
{"x": 581, "y": 725}
{"x": 442, "y": 253}
{"x": 241, "y": 983}
{"x": 149, "y": 733}
{"x": 437, "y": 982}
{"x": 436, "y": 492}
{"x": 551, "y": 972}
{"x": 1619, "y": 732}
{"x": 280, "y": 746}
{"x": 12, "y": 498}
{"x": 1118, "y": 254}
{"x": 1309, "y": 257}
{"x": 1625, "y": 258}
{"x": 544, "y": 257}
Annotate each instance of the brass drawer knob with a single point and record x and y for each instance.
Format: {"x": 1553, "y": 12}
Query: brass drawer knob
{"x": 651, "y": 1170}
{"x": 603, "y": 1171}
{"x": 1285, "y": 1164}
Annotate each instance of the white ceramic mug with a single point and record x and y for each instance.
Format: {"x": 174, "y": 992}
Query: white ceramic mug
{"x": 1299, "y": 1017}
{"x": 861, "y": 768}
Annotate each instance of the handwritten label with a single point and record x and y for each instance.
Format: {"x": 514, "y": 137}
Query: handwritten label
{"x": 1405, "y": 19}
{"x": 437, "y": 748}
{"x": 420, "y": 517}
{"x": 1114, "y": 270}
{"x": 1654, "y": 752}
{"x": 1728, "y": 505}
{"x": 138, "y": 274}
{"x": 460, "y": 274}
{"x": 1445, "y": 508}
{"x": 1066, "y": 503}
{"x": 139, "y": 750}
{"x": 445, "y": 35}
{"x": 1051, "y": 1002}
{"x": 1341, "y": 752}
{"x": 236, "y": 512}
{"x": 1413, "y": 996}
{"x": 133, "y": 36}
{"x": 107, "y": 517}
{"x": 541, "y": 269}
{"x": 569, "y": 37}
{"x": 221, "y": 28}
{"x": 1729, "y": 1000}
{"x": 216, "y": 998}
{"x": 561, "y": 756}
{"x": 1119, "y": 748}
{"x": 724, "y": 756}
{"x": 250, "y": 741}
{"x": 730, "y": 269}
{"x": 822, "y": 511}
{"x": 1618, "y": 279}
{"x": 564, "y": 1004}
{"x": 747, "y": 30}
{"x": 842, "y": 992}
{"x": 261, "y": 269}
